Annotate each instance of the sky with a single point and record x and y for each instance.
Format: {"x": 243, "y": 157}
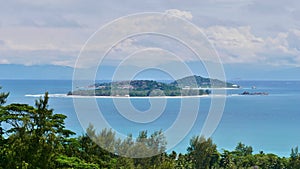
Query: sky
{"x": 243, "y": 32}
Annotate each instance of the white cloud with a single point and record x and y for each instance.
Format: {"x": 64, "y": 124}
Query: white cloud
{"x": 151, "y": 42}
{"x": 43, "y": 39}
{"x": 128, "y": 46}
{"x": 240, "y": 45}
{"x": 145, "y": 31}
{"x": 31, "y": 46}
{"x": 183, "y": 14}
{"x": 284, "y": 49}
{"x": 37, "y": 57}
{"x": 240, "y": 37}
{"x": 2, "y": 43}
{"x": 4, "y": 61}
{"x": 50, "y": 22}
{"x": 294, "y": 38}
{"x": 235, "y": 44}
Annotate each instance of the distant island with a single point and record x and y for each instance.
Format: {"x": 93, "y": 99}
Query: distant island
{"x": 254, "y": 93}
{"x": 187, "y": 86}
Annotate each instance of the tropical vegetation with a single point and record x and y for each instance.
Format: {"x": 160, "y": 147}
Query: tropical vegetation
{"x": 34, "y": 137}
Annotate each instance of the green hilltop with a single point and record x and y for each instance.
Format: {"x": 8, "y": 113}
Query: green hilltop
{"x": 202, "y": 82}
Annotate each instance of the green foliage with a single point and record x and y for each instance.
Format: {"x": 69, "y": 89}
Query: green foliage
{"x": 269, "y": 161}
{"x": 203, "y": 153}
{"x": 227, "y": 160}
{"x": 294, "y": 158}
{"x": 243, "y": 150}
{"x": 242, "y": 157}
{"x": 184, "y": 162}
{"x": 35, "y": 137}
{"x": 66, "y": 162}
{"x": 3, "y": 97}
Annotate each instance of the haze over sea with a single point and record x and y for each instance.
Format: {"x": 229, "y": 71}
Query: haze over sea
{"x": 267, "y": 123}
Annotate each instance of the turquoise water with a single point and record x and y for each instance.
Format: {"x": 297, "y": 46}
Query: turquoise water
{"x": 268, "y": 123}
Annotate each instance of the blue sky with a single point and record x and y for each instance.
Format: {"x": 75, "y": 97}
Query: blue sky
{"x": 244, "y": 32}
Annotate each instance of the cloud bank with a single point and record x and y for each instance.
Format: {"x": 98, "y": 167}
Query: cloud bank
{"x": 53, "y": 32}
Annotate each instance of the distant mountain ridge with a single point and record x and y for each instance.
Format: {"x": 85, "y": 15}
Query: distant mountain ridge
{"x": 45, "y": 72}
{"x": 232, "y": 71}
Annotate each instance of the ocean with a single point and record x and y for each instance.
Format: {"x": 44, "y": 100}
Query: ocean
{"x": 269, "y": 123}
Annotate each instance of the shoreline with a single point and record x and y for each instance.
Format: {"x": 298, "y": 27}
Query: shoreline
{"x": 123, "y": 97}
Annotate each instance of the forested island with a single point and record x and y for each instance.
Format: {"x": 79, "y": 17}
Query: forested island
{"x": 34, "y": 137}
{"x": 188, "y": 86}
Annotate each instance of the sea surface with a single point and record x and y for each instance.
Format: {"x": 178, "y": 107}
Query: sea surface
{"x": 268, "y": 123}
